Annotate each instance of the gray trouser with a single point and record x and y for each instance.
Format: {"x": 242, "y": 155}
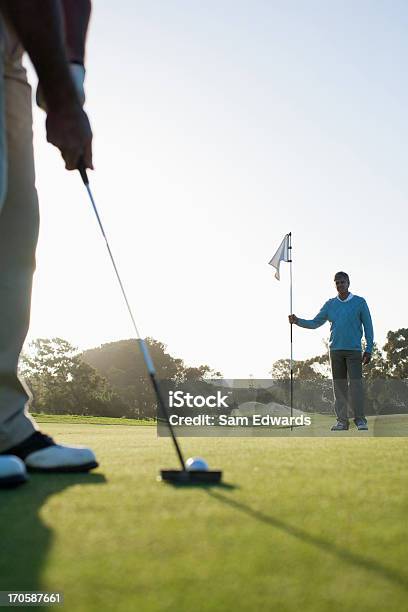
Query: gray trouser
{"x": 19, "y": 221}
{"x": 347, "y": 372}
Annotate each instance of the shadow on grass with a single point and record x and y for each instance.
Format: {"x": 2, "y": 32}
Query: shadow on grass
{"x": 24, "y": 539}
{"x": 345, "y": 555}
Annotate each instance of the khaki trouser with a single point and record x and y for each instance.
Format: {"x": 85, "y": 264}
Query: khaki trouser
{"x": 347, "y": 371}
{"x": 19, "y": 222}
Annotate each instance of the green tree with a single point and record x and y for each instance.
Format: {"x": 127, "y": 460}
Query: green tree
{"x": 315, "y": 368}
{"x": 378, "y": 367}
{"x": 396, "y": 351}
{"x": 61, "y": 382}
{"x": 121, "y": 363}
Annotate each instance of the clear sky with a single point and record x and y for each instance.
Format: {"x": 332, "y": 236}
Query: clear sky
{"x": 219, "y": 127}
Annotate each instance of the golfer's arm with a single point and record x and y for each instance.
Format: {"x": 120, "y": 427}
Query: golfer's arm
{"x": 368, "y": 328}
{"x": 76, "y": 20}
{"x": 319, "y": 319}
{"x": 39, "y": 26}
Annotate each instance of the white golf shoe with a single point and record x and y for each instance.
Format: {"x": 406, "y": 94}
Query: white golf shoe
{"x": 41, "y": 454}
{"x": 12, "y": 471}
{"x": 58, "y": 458}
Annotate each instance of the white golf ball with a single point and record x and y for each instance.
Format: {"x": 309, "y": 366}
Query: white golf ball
{"x": 196, "y": 463}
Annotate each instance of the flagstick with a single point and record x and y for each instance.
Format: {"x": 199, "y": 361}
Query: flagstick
{"x": 284, "y": 253}
{"x": 291, "y": 332}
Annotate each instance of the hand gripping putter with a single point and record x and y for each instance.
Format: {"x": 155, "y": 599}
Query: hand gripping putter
{"x": 182, "y": 476}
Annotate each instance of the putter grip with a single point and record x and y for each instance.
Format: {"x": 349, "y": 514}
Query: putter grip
{"x": 82, "y": 171}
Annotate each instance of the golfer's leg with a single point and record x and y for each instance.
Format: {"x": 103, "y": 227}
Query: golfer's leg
{"x": 19, "y": 222}
{"x": 3, "y": 149}
{"x": 355, "y": 374}
{"x": 339, "y": 373}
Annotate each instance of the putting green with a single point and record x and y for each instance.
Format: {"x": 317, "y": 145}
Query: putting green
{"x": 310, "y": 524}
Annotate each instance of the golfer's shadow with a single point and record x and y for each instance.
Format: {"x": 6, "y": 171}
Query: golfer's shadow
{"x": 24, "y": 539}
{"x": 345, "y": 555}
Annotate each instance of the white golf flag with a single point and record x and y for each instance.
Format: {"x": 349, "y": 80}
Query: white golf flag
{"x": 282, "y": 254}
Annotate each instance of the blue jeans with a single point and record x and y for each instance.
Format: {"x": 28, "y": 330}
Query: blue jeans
{"x": 19, "y": 223}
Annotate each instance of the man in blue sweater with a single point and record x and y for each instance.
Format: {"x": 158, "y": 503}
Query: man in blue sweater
{"x": 348, "y": 315}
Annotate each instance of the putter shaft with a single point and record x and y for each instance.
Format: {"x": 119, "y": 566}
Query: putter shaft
{"x": 143, "y": 346}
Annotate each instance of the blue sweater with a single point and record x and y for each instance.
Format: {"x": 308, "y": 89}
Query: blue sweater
{"x": 347, "y": 319}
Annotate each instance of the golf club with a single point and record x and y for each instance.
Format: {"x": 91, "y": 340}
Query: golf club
{"x": 182, "y": 476}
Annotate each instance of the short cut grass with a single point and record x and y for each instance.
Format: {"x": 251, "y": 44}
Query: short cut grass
{"x": 310, "y": 524}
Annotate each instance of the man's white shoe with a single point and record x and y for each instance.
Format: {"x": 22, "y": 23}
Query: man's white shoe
{"x": 41, "y": 454}
{"x": 58, "y": 458}
{"x": 12, "y": 471}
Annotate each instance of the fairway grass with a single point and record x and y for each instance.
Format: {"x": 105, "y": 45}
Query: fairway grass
{"x": 40, "y": 417}
{"x": 303, "y": 524}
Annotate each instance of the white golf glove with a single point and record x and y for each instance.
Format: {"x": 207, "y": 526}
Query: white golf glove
{"x": 78, "y": 77}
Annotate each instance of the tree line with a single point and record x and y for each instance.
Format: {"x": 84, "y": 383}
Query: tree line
{"x": 110, "y": 380}
{"x": 385, "y": 379}
{"x": 390, "y": 362}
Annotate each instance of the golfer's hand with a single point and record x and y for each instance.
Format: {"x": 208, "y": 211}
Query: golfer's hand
{"x": 366, "y": 358}
{"x": 293, "y": 319}
{"x": 69, "y": 130}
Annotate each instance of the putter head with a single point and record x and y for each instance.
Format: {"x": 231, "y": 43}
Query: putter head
{"x": 191, "y": 477}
